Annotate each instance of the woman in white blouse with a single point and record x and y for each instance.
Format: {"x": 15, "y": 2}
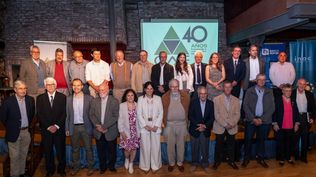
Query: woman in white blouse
{"x": 183, "y": 73}
{"x": 149, "y": 115}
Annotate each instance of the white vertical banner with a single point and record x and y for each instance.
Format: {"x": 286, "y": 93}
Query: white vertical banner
{"x": 47, "y": 49}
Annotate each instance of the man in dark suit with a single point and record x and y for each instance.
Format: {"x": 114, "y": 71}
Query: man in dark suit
{"x": 79, "y": 126}
{"x": 104, "y": 112}
{"x": 198, "y": 69}
{"x": 33, "y": 73}
{"x": 235, "y": 70}
{"x": 306, "y": 108}
{"x": 51, "y": 112}
{"x": 161, "y": 79}
{"x": 254, "y": 66}
{"x": 16, "y": 115}
{"x": 201, "y": 117}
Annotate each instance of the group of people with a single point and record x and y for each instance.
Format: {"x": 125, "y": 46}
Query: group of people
{"x": 147, "y": 101}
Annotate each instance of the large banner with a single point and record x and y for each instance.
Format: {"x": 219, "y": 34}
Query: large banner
{"x": 48, "y": 48}
{"x": 303, "y": 56}
{"x": 179, "y": 35}
{"x": 269, "y": 53}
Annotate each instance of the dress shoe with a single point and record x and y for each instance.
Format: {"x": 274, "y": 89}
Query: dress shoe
{"x": 102, "y": 171}
{"x": 216, "y": 165}
{"x": 90, "y": 172}
{"x": 113, "y": 170}
{"x": 263, "y": 163}
{"x": 245, "y": 163}
{"x": 181, "y": 168}
{"x": 304, "y": 160}
{"x": 48, "y": 175}
{"x": 74, "y": 172}
{"x": 193, "y": 168}
{"x": 281, "y": 162}
{"x": 170, "y": 168}
{"x": 233, "y": 165}
{"x": 291, "y": 162}
{"x": 62, "y": 174}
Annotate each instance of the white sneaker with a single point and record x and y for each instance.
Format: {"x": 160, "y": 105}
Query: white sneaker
{"x": 130, "y": 168}
{"x": 126, "y": 164}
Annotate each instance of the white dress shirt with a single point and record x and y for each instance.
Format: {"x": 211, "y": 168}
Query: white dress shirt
{"x": 97, "y": 72}
{"x": 282, "y": 73}
{"x": 253, "y": 68}
{"x": 161, "y": 79}
{"x": 301, "y": 102}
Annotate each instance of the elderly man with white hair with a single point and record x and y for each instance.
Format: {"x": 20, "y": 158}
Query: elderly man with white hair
{"x": 175, "y": 105}
{"x": 17, "y": 113}
{"x": 51, "y": 112}
{"x": 198, "y": 68}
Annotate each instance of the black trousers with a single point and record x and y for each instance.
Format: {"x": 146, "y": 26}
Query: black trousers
{"x": 236, "y": 90}
{"x": 285, "y": 144}
{"x": 106, "y": 153}
{"x": 200, "y": 147}
{"x": 230, "y": 142}
{"x": 302, "y": 136}
{"x": 50, "y": 140}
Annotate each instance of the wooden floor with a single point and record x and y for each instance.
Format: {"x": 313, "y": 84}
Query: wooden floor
{"x": 253, "y": 169}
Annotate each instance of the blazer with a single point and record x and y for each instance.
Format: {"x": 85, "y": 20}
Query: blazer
{"x": 50, "y": 69}
{"x": 48, "y": 115}
{"x": 137, "y": 75}
{"x": 196, "y": 117}
{"x": 203, "y": 66}
{"x": 178, "y": 76}
{"x": 240, "y": 70}
{"x": 70, "y": 114}
{"x": 185, "y": 101}
{"x": 247, "y": 75}
{"x": 11, "y": 116}
{"x": 123, "y": 120}
{"x": 110, "y": 117}
{"x": 142, "y": 113}
{"x": 224, "y": 115}
{"x": 168, "y": 74}
{"x": 279, "y": 112}
{"x": 28, "y": 74}
{"x": 310, "y": 102}
{"x": 250, "y": 102}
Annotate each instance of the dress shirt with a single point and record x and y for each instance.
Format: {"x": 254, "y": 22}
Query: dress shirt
{"x": 97, "y": 72}
{"x": 78, "y": 109}
{"x": 202, "y": 104}
{"x": 282, "y": 73}
{"x": 301, "y": 102}
{"x": 161, "y": 79}
{"x": 103, "y": 107}
{"x": 23, "y": 112}
{"x": 78, "y": 70}
{"x": 253, "y": 68}
{"x": 259, "y": 104}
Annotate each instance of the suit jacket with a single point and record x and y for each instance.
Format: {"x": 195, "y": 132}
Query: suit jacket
{"x": 48, "y": 115}
{"x": 247, "y": 75}
{"x": 50, "y": 69}
{"x": 142, "y": 113}
{"x": 250, "y": 102}
{"x": 223, "y": 116}
{"x": 203, "y": 66}
{"x": 240, "y": 70}
{"x": 123, "y": 120}
{"x": 28, "y": 74}
{"x": 279, "y": 112}
{"x": 11, "y": 116}
{"x": 110, "y": 117}
{"x": 168, "y": 74}
{"x": 70, "y": 114}
{"x": 196, "y": 117}
{"x": 310, "y": 102}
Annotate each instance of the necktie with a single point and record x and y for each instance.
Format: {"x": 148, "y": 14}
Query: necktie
{"x": 198, "y": 74}
{"x": 51, "y": 101}
{"x": 235, "y": 65}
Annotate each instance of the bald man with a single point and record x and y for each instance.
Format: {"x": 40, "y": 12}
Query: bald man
{"x": 121, "y": 73}
{"x": 77, "y": 69}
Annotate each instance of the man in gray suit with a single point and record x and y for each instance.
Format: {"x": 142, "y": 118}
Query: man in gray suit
{"x": 254, "y": 66}
{"x": 259, "y": 107}
{"x": 58, "y": 69}
{"x": 104, "y": 112}
{"x": 78, "y": 125}
{"x": 33, "y": 73}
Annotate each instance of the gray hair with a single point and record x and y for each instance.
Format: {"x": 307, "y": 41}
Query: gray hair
{"x": 18, "y": 83}
{"x": 198, "y": 52}
{"x": 50, "y": 79}
{"x": 172, "y": 81}
{"x": 260, "y": 75}
{"x": 201, "y": 88}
